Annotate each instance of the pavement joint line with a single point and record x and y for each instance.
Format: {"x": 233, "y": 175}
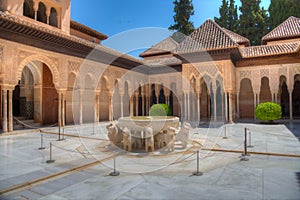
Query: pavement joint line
{"x": 254, "y": 152}
{"x": 32, "y": 183}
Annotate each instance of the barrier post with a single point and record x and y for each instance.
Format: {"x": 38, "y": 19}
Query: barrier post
{"x": 225, "y": 135}
{"x": 115, "y": 172}
{"x": 42, "y": 142}
{"x": 243, "y": 156}
{"x": 50, "y": 160}
{"x": 197, "y": 173}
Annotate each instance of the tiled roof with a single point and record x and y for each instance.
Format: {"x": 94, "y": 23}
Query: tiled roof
{"x": 290, "y": 28}
{"x": 237, "y": 38}
{"x": 269, "y": 50}
{"x": 87, "y": 30}
{"x": 163, "y": 61}
{"x": 209, "y": 36}
{"x": 168, "y": 45}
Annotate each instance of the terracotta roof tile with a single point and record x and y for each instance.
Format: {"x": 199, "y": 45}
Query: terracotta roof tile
{"x": 168, "y": 45}
{"x": 269, "y": 50}
{"x": 209, "y": 36}
{"x": 82, "y": 28}
{"x": 290, "y": 28}
{"x": 237, "y": 38}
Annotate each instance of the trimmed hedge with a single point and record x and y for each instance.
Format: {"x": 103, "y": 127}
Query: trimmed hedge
{"x": 268, "y": 111}
{"x": 160, "y": 110}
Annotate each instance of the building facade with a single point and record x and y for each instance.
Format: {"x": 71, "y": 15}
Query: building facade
{"x": 55, "y": 70}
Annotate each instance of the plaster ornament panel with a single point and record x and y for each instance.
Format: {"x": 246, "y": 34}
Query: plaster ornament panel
{"x": 297, "y": 69}
{"x": 245, "y": 74}
{"x": 1, "y": 53}
{"x": 73, "y": 66}
{"x": 282, "y": 71}
{"x": 264, "y": 72}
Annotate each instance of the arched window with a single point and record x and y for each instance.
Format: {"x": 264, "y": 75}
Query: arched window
{"x": 41, "y": 13}
{"x": 28, "y": 10}
{"x": 53, "y": 18}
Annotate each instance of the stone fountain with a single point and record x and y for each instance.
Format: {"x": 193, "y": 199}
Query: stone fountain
{"x": 144, "y": 133}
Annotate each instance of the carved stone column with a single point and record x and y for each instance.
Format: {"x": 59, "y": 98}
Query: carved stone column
{"x": 80, "y": 107}
{"x": 198, "y": 107}
{"x": 110, "y": 106}
{"x": 136, "y": 104}
{"x": 4, "y": 110}
{"x": 10, "y": 110}
{"x": 226, "y": 106}
{"x": 230, "y": 107}
{"x": 291, "y": 104}
{"x": 122, "y": 104}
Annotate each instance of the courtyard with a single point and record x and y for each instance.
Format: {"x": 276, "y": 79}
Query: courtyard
{"x": 85, "y": 159}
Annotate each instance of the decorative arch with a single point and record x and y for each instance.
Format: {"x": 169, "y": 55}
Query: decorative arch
{"x": 53, "y": 19}
{"x": 28, "y": 10}
{"x": 50, "y": 64}
{"x": 41, "y": 13}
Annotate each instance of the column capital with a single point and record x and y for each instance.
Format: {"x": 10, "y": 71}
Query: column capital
{"x": 7, "y": 87}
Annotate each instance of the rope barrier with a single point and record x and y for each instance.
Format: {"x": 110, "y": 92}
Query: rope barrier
{"x": 30, "y": 126}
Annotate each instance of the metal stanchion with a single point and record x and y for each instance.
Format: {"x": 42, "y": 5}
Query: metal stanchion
{"x": 250, "y": 138}
{"x": 243, "y": 156}
{"x": 93, "y": 129}
{"x": 50, "y": 160}
{"x": 42, "y": 143}
{"x": 197, "y": 173}
{"x": 115, "y": 172}
{"x": 225, "y": 136}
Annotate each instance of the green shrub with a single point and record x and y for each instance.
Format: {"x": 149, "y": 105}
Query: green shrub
{"x": 160, "y": 110}
{"x": 268, "y": 111}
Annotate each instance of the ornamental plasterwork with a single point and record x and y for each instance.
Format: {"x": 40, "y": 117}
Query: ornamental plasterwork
{"x": 245, "y": 74}
{"x": 1, "y": 53}
{"x": 282, "y": 71}
{"x": 264, "y": 72}
{"x": 73, "y": 66}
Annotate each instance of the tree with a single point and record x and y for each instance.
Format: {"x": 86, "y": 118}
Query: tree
{"x": 228, "y": 15}
{"x": 280, "y": 10}
{"x": 253, "y": 21}
{"x": 183, "y": 9}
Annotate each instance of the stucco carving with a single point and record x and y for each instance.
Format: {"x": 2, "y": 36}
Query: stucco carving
{"x": 73, "y": 65}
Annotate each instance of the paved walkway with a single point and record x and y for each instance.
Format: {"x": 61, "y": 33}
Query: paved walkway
{"x": 84, "y": 161}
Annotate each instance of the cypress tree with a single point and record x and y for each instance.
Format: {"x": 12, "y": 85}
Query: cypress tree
{"x": 183, "y": 9}
{"x": 252, "y": 23}
{"x": 280, "y": 10}
{"x": 228, "y": 15}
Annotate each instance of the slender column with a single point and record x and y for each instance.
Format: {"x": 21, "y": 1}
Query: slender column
{"x": 275, "y": 97}
{"x": 230, "y": 108}
{"x": 143, "y": 100}
{"x": 136, "y": 104}
{"x": 59, "y": 108}
{"x": 35, "y": 8}
{"x": 110, "y": 107}
{"x": 291, "y": 105}
{"x": 10, "y": 111}
{"x": 122, "y": 104}
{"x": 131, "y": 105}
{"x": 63, "y": 116}
{"x": 80, "y": 107}
{"x": 96, "y": 107}
{"x": 238, "y": 103}
{"x": 226, "y": 107}
{"x": 48, "y": 14}
{"x": 198, "y": 107}
{"x": 188, "y": 106}
{"x": 4, "y": 108}
{"x": 215, "y": 104}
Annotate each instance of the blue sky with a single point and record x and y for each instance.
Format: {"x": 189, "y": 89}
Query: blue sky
{"x": 135, "y": 25}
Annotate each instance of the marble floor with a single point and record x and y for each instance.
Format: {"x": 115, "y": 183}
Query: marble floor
{"x": 84, "y": 160}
